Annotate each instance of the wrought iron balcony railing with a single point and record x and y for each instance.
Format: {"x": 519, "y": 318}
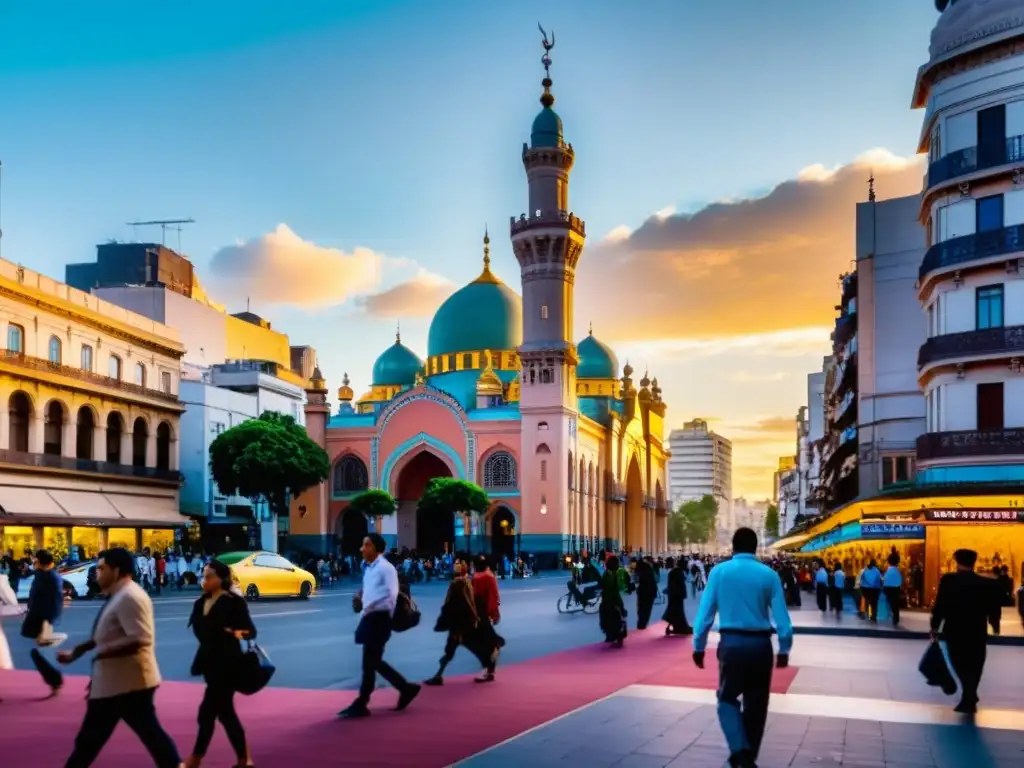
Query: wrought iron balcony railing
{"x": 45, "y": 366}
{"x": 68, "y": 464}
{"x": 989, "y": 341}
{"x": 970, "y": 443}
{"x": 970, "y": 160}
{"x": 959, "y": 251}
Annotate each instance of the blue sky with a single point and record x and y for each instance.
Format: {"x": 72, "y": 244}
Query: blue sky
{"x": 396, "y": 125}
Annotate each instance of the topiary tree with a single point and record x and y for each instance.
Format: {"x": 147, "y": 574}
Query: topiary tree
{"x": 447, "y": 496}
{"x": 375, "y": 502}
{"x": 269, "y": 459}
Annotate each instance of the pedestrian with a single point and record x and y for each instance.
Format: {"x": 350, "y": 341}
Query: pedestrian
{"x": 646, "y": 592}
{"x": 964, "y": 605}
{"x": 487, "y": 599}
{"x": 675, "y": 594}
{"x": 837, "y": 589}
{"x": 8, "y": 607}
{"x": 871, "y": 589}
{"x": 612, "y": 613}
{"x": 375, "y": 603}
{"x": 821, "y": 585}
{"x": 45, "y": 606}
{"x": 220, "y": 621}
{"x": 125, "y": 674}
{"x": 459, "y": 618}
{"x": 747, "y": 596}
{"x": 892, "y": 585}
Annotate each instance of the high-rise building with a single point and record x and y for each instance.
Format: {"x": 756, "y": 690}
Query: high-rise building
{"x": 701, "y": 464}
{"x": 303, "y": 361}
{"x": 970, "y": 280}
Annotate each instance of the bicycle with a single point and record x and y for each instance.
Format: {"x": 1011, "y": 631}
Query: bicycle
{"x": 575, "y": 601}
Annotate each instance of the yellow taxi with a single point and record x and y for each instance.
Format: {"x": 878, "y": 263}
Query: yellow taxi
{"x": 265, "y": 574}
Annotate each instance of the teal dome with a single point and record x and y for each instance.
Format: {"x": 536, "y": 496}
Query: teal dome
{"x": 597, "y": 361}
{"x": 396, "y": 367}
{"x": 486, "y": 314}
{"x": 547, "y": 129}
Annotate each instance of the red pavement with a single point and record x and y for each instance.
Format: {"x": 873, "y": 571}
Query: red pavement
{"x": 291, "y": 727}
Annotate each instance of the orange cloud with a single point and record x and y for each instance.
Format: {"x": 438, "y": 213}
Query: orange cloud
{"x": 418, "y": 297}
{"x": 741, "y": 267}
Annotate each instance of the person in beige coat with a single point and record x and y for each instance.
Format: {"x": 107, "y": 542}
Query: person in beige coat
{"x": 125, "y": 675}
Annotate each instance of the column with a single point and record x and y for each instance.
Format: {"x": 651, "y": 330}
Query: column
{"x": 69, "y": 439}
{"x": 99, "y": 443}
{"x": 151, "y": 449}
{"x": 173, "y": 456}
{"x": 138, "y": 539}
{"x": 69, "y": 537}
{"x": 35, "y": 434}
{"x": 5, "y": 427}
{"x": 126, "y": 448}
{"x": 38, "y": 537}
{"x": 104, "y": 538}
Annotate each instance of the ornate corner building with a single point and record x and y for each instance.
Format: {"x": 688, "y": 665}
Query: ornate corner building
{"x": 568, "y": 449}
{"x": 971, "y": 286}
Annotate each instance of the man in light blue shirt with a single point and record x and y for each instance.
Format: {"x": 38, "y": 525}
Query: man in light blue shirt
{"x": 746, "y": 595}
{"x": 871, "y": 588}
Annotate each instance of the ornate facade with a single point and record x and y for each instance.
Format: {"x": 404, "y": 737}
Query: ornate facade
{"x": 567, "y": 447}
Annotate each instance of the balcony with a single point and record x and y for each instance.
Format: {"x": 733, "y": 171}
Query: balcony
{"x": 38, "y": 364}
{"x": 959, "y": 251}
{"x": 966, "y": 161}
{"x": 990, "y": 341}
{"x": 548, "y": 219}
{"x": 970, "y": 443}
{"x": 67, "y": 464}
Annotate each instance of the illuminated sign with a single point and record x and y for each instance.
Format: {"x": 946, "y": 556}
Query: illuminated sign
{"x": 974, "y": 515}
{"x": 891, "y": 531}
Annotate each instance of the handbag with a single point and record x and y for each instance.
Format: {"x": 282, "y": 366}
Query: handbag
{"x": 936, "y": 673}
{"x": 254, "y": 670}
{"x": 407, "y": 614}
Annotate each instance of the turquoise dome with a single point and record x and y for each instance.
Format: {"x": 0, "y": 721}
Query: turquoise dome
{"x": 396, "y": 367}
{"x": 547, "y": 129}
{"x": 597, "y": 361}
{"x": 486, "y": 314}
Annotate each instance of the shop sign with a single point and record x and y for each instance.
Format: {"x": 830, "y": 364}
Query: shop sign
{"x": 974, "y": 515}
{"x": 891, "y": 531}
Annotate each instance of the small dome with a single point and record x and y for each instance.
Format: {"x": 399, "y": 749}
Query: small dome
{"x": 597, "y": 361}
{"x": 345, "y": 393}
{"x": 547, "y": 129}
{"x": 489, "y": 383}
{"x": 486, "y": 314}
{"x": 968, "y": 24}
{"x": 397, "y": 367}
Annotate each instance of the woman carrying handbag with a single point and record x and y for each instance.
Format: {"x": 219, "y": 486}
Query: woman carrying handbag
{"x": 221, "y": 622}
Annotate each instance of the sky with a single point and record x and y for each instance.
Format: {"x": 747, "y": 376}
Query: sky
{"x": 342, "y": 159}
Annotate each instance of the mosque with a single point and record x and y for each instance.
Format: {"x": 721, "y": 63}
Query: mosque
{"x": 567, "y": 447}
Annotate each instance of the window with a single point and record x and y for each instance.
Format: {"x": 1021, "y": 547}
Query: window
{"x": 542, "y": 426}
{"x": 86, "y": 357}
{"x": 989, "y": 213}
{"x": 272, "y": 561}
{"x": 350, "y": 475}
{"x": 897, "y": 469}
{"x": 140, "y": 374}
{"x": 500, "y": 471}
{"x": 992, "y": 136}
{"x": 113, "y": 367}
{"x": 544, "y": 312}
{"x": 467, "y": 361}
{"x": 15, "y": 339}
{"x": 543, "y": 469}
{"x": 990, "y": 407}
{"x": 988, "y": 303}
{"x": 546, "y": 376}
{"x": 165, "y": 382}
{"x": 53, "y": 353}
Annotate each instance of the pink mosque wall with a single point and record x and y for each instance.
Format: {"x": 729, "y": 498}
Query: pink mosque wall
{"x": 414, "y": 418}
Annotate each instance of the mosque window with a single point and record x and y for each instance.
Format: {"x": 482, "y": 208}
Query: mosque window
{"x": 543, "y": 469}
{"x": 500, "y": 471}
{"x": 350, "y": 475}
{"x": 546, "y": 376}
{"x": 543, "y": 448}
{"x": 544, "y": 312}
{"x": 542, "y": 426}
{"x": 467, "y": 361}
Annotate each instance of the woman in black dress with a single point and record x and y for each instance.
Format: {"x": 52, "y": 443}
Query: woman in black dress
{"x": 220, "y": 621}
{"x": 612, "y": 613}
{"x": 675, "y": 593}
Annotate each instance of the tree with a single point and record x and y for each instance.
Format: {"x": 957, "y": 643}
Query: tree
{"x": 269, "y": 459}
{"x": 694, "y": 521}
{"x": 771, "y": 520}
{"x": 375, "y": 502}
{"x": 447, "y": 495}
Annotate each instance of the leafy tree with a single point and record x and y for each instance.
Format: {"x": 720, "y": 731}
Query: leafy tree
{"x": 270, "y": 458}
{"x": 771, "y": 520}
{"x": 694, "y": 521}
{"x": 444, "y": 496}
{"x": 373, "y": 503}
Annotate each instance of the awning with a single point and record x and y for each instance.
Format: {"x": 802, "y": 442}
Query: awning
{"x": 85, "y": 505}
{"x": 33, "y": 503}
{"x": 147, "y": 511}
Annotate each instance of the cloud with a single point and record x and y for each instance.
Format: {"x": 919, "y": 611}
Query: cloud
{"x": 745, "y": 377}
{"x": 797, "y": 342}
{"x": 771, "y": 429}
{"x": 282, "y": 268}
{"x": 418, "y": 297}
{"x": 738, "y": 267}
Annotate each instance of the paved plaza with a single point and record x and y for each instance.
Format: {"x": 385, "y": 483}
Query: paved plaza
{"x": 562, "y": 698}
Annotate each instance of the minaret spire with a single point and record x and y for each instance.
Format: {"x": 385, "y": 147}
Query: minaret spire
{"x": 398, "y": 332}
{"x": 547, "y": 98}
{"x": 487, "y": 250}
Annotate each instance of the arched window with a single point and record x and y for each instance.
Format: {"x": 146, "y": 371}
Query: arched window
{"x": 350, "y": 475}
{"x": 113, "y": 367}
{"x": 140, "y": 436}
{"x": 163, "y": 446}
{"x": 543, "y": 448}
{"x": 500, "y": 471}
{"x": 54, "y": 351}
{"x": 542, "y": 426}
{"x": 140, "y": 374}
{"x": 15, "y": 339}
{"x": 572, "y": 483}
{"x": 85, "y": 425}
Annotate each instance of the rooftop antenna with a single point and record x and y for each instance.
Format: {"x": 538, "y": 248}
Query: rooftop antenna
{"x": 164, "y": 224}
{"x": 871, "y": 188}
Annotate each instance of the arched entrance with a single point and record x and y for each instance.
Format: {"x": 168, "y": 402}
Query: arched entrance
{"x": 634, "y": 522}
{"x": 427, "y": 535}
{"x": 503, "y": 533}
{"x": 351, "y": 528}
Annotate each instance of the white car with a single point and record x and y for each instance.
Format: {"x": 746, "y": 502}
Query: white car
{"x": 75, "y": 582}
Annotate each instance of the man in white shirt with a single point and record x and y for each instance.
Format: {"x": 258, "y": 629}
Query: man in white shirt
{"x": 376, "y": 605}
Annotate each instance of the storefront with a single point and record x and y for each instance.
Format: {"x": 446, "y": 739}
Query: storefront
{"x": 86, "y": 540}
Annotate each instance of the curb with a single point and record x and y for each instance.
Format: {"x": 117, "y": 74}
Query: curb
{"x": 895, "y": 634}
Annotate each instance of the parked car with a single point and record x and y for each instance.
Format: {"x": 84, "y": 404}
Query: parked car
{"x": 75, "y": 582}
{"x": 265, "y": 574}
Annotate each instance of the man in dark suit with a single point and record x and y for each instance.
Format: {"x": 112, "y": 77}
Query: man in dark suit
{"x": 45, "y": 605}
{"x": 965, "y": 605}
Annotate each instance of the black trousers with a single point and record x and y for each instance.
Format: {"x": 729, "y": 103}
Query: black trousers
{"x": 871, "y": 595}
{"x": 967, "y": 656}
{"x": 644, "y": 606}
{"x": 835, "y": 599}
{"x": 373, "y": 665}
{"x": 137, "y": 711}
{"x": 219, "y": 704}
{"x": 745, "y": 665}
{"x": 892, "y": 597}
{"x": 51, "y": 675}
{"x": 821, "y": 592}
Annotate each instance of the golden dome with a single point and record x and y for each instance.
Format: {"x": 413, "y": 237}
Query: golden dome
{"x": 489, "y": 383}
{"x": 316, "y": 381}
{"x": 345, "y": 393}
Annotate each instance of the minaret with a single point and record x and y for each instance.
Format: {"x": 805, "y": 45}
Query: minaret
{"x": 547, "y": 241}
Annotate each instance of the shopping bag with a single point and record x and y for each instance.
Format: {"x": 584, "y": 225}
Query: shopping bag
{"x": 407, "y": 614}
{"x": 255, "y": 670}
{"x": 936, "y": 672}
